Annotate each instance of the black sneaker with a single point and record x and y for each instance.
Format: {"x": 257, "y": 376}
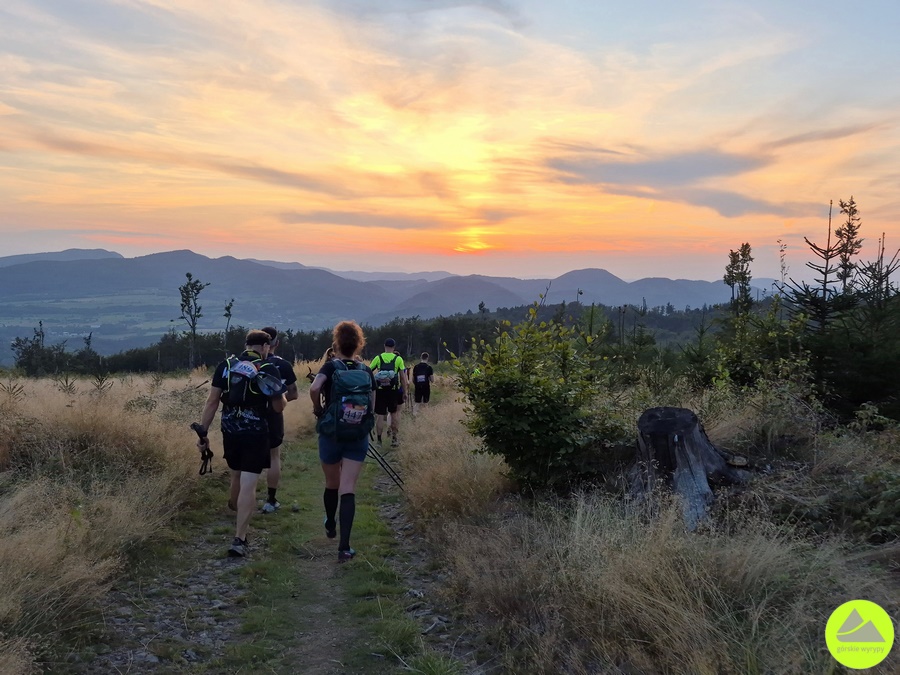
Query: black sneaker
{"x": 344, "y": 556}
{"x": 330, "y": 531}
{"x": 238, "y": 549}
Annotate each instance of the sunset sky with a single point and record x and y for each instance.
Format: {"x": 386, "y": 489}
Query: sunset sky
{"x": 502, "y": 137}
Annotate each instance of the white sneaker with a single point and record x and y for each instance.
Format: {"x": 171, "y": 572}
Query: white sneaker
{"x": 268, "y": 507}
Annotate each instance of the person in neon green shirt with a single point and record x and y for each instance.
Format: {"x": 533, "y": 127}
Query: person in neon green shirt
{"x": 390, "y": 376}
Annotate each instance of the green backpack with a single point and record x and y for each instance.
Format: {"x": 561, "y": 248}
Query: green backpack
{"x": 349, "y": 415}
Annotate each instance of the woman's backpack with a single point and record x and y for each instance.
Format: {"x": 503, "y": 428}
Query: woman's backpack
{"x": 349, "y": 415}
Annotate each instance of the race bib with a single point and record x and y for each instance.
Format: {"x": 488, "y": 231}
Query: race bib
{"x": 421, "y": 378}
{"x": 245, "y": 368}
{"x": 351, "y": 413}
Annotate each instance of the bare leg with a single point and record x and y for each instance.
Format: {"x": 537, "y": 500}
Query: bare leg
{"x": 350, "y": 470}
{"x": 246, "y": 503}
{"x": 235, "y": 490}
{"x": 273, "y": 475}
{"x": 332, "y": 475}
{"x": 395, "y": 425}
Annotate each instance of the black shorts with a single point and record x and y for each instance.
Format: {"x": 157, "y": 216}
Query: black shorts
{"x": 423, "y": 394}
{"x": 276, "y": 429}
{"x": 246, "y": 452}
{"x": 386, "y": 401}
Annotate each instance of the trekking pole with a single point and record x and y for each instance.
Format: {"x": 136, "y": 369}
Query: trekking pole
{"x": 384, "y": 464}
{"x": 206, "y": 454}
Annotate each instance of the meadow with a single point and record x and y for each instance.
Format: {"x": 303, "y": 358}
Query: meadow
{"x": 90, "y": 472}
{"x": 588, "y": 583}
{"x": 93, "y": 471}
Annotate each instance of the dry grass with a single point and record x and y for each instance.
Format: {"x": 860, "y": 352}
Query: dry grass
{"x": 594, "y": 588}
{"x": 591, "y": 586}
{"x": 85, "y": 475}
{"x": 16, "y": 658}
{"x": 444, "y": 474}
{"x": 298, "y": 416}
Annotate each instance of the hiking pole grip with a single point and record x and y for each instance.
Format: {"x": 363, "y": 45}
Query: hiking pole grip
{"x": 206, "y": 454}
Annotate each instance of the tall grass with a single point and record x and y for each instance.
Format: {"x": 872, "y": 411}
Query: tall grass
{"x": 86, "y": 475}
{"x": 594, "y": 585}
{"x": 444, "y": 474}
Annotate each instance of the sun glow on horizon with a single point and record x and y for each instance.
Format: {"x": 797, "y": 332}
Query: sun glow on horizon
{"x": 508, "y": 134}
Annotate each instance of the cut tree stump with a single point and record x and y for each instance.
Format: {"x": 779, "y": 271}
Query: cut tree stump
{"x": 673, "y": 448}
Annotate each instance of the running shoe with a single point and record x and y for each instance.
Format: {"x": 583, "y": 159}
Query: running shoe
{"x": 238, "y": 549}
{"x": 269, "y": 507}
{"x": 330, "y": 530}
{"x": 344, "y": 556}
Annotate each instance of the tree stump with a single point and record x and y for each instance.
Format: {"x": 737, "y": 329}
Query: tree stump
{"x": 673, "y": 448}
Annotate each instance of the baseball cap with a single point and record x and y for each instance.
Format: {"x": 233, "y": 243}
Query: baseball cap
{"x": 389, "y": 342}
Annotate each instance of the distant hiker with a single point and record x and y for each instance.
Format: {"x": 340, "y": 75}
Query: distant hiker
{"x": 423, "y": 376}
{"x": 390, "y": 376}
{"x": 343, "y": 401}
{"x": 248, "y": 387}
{"x": 276, "y": 420}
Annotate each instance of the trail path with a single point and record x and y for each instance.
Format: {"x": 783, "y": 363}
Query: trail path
{"x": 289, "y": 607}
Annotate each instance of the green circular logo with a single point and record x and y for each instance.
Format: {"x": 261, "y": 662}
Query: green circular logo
{"x": 859, "y": 634}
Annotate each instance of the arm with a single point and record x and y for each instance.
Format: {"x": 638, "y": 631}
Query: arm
{"x": 278, "y": 403}
{"x": 293, "y": 393}
{"x": 209, "y": 413}
{"x": 315, "y": 394}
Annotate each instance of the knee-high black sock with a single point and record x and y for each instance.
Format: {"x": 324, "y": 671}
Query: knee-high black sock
{"x": 330, "y": 499}
{"x": 348, "y": 510}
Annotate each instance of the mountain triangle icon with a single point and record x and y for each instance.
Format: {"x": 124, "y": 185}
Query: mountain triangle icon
{"x": 855, "y": 629}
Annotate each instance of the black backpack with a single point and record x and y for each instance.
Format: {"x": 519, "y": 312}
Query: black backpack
{"x": 248, "y": 385}
{"x": 349, "y": 415}
{"x": 387, "y": 377}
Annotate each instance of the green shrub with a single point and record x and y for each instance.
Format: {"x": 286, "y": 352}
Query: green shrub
{"x": 529, "y": 394}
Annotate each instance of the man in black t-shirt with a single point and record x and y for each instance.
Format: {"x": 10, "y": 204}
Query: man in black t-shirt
{"x": 276, "y": 421}
{"x": 422, "y": 376}
{"x": 247, "y": 387}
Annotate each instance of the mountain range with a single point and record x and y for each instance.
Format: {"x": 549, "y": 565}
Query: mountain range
{"x": 126, "y": 302}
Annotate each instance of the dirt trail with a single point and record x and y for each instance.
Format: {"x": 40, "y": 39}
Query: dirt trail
{"x": 185, "y": 616}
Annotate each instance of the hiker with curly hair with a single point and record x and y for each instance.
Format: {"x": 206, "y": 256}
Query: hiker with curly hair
{"x": 343, "y": 398}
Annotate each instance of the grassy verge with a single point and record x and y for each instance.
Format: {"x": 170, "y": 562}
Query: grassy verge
{"x": 586, "y": 584}
{"x": 84, "y": 480}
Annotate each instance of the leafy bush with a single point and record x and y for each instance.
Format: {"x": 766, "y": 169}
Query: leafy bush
{"x": 529, "y": 395}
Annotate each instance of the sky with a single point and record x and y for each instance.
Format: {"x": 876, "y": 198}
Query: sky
{"x": 503, "y": 137}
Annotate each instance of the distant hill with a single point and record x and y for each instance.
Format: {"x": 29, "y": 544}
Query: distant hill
{"x": 126, "y": 302}
{"x": 360, "y": 276}
{"x": 68, "y": 254}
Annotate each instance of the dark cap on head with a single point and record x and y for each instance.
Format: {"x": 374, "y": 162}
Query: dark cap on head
{"x": 257, "y": 338}
{"x": 273, "y": 333}
{"x": 389, "y": 342}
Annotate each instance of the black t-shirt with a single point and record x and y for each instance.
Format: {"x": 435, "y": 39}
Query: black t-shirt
{"x": 285, "y": 369}
{"x": 328, "y": 369}
{"x": 248, "y": 417}
{"x": 422, "y": 373}
{"x": 288, "y": 376}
